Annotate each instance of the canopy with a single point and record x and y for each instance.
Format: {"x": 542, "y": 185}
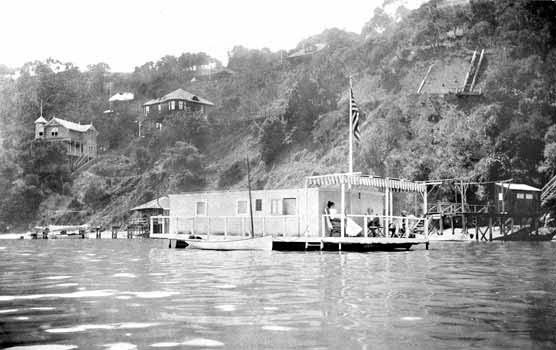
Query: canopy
{"x": 357, "y": 179}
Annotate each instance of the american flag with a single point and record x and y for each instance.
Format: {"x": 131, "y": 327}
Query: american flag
{"x": 355, "y": 119}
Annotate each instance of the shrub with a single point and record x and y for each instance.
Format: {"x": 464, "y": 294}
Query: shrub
{"x": 232, "y": 175}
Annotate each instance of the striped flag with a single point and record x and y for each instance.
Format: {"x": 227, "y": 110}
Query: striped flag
{"x": 355, "y": 119}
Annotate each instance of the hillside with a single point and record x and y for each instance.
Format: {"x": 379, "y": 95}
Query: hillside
{"x": 290, "y": 116}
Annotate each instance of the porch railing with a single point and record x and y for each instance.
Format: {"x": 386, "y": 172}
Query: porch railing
{"x": 373, "y": 226}
{"x": 455, "y": 208}
{"x": 278, "y": 225}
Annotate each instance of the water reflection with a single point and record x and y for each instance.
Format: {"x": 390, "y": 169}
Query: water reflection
{"x": 139, "y": 294}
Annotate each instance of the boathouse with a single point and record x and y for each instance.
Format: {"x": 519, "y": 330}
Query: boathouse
{"x": 140, "y": 219}
{"x": 516, "y": 198}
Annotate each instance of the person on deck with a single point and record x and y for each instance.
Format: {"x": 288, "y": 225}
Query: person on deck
{"x": 332, "y": 219}
{"x": 373, "y": 225}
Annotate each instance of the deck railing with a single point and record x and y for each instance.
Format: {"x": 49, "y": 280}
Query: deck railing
{"x": 455, "y": 208}
{"x": 276, "y": 225}
{"x": 373, "y": 226}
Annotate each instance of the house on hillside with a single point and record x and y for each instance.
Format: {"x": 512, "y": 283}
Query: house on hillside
{"x": 120, "y": 103}
{"x": 176, "y": 101}
{"x": 215, "y": 74}
{"x": 306, "y": 52}
{"x": 80, "y": 140}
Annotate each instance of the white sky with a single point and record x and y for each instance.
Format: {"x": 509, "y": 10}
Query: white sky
{"x": 126, "y": 33}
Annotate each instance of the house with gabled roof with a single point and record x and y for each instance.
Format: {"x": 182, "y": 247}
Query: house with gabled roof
{"x": 80, "y": 140}
{"x": 177, "y": 101}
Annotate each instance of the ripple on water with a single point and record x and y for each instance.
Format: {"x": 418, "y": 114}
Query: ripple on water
{"x": 88, "y": 327}
{"x": 152, "y": 295}
{"x": 8, "y": 311}
{"x": 43, "y": 347}
{"x": 120, "y": 346}
{"x": 79, "y": 294}
{"x": 225, "y": 286}
{"x": 203, "y": 342}
{"x": 165, "y": 345}
{"x": 124, "y": 274}
{"x": 57, "y": 277}
{"x": 226, "y": 307}
{"x": 277, "y": 328}
{"x": 63, "y": 285}
{"x": 411, "y": 318}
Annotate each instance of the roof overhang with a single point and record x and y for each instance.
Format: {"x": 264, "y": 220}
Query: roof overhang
{"x": 357, "y": 179}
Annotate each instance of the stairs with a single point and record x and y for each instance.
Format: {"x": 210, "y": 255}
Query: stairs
{"x": 472, "y": 73}
{"x": 549, "y": 189}
{"x": 80, "y": 163}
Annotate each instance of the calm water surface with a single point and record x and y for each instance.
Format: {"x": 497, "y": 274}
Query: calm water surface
{"x": 103, "y": 294}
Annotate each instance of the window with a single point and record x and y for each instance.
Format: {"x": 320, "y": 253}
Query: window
{"x": 160, "y": 107}
{"x": 258, "y": 205}
{"x": 241, "y": 207}
{"x": 201, "y": 208}
{"x": 500, "y": 196}
{"x": 54, "y": 132}
{"x": 147, "y": 109}
{"x": 520, "y": 196}
{"x": 529, "y": 196}
{"x": 172, "y": 105}
{"x": 180, "y": 105}
{"x": 275, "y": 207}
{"x": 289, "y": 206}
{"x": 158, "y": 126}
{"x": 40, "y": 133}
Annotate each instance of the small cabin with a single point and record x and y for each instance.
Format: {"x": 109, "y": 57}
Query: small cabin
{"x": 517, "y": 199}
{"x": 139, "y": 221}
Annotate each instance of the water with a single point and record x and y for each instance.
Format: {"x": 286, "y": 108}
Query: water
{"x": 104, "y": 294}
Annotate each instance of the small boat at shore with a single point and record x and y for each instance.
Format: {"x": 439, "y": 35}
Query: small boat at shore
{"x": 254, "y": 243}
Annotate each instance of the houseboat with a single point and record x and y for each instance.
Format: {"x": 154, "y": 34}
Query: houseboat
{"x": 345, "y": 211}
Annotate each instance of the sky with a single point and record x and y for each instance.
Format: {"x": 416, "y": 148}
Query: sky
{"x": 125, "y": 34}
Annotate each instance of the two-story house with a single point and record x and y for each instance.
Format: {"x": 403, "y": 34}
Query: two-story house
{"x": 176, "y": 101}
{"x": 80, "y": 140}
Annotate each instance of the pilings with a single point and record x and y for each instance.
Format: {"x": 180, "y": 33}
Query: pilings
{"x": 483, "y": 227}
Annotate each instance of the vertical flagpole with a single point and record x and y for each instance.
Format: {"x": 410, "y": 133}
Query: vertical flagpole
{"x": 350, "y": 130}
{"x": 250, "y": 204}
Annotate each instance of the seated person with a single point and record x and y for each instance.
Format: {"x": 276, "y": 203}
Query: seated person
{"x": 332, "y": 219}
{"x": 373, "y": 224}
{"x": 393, "y": 229}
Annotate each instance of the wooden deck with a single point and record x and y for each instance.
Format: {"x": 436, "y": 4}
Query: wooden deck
{"x": 289, "y": 243}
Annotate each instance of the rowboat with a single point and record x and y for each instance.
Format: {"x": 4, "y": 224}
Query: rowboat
{"x": 255, "y": 243}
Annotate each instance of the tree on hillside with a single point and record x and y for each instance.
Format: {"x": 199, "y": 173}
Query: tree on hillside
{"x": 272, "y": 139}
{"x": 183, "y": 163}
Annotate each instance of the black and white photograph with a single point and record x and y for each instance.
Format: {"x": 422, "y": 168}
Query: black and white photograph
{"x": 359, "y": 174}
